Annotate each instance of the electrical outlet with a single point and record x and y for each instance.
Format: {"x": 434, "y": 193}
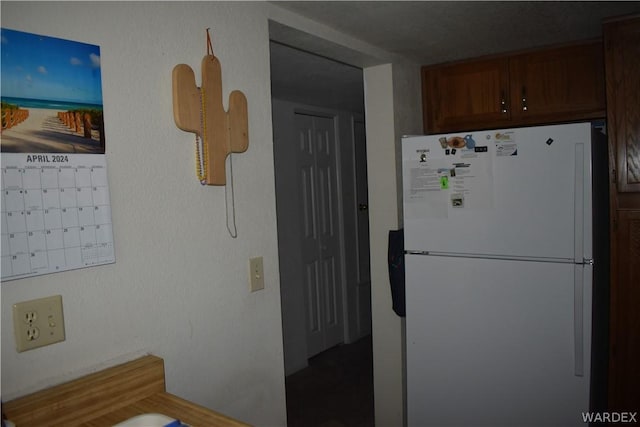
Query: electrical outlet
{"x": 256, "y": 276}
{"x": 38, "y": 322}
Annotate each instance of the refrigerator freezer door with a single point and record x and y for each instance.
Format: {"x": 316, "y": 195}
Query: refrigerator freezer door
{"x": 516, "y": 193}
{"x": 492, "y": 342}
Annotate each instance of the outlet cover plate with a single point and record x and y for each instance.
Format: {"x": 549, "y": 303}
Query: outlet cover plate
{"x": 38, "y": 322}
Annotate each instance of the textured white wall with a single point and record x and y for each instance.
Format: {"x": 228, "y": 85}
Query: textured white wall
{"x": 392, "y": 108}
{"x": 387, "y": 333}
{"x": 407, "y": 110}
{"x": 179, "y": 286}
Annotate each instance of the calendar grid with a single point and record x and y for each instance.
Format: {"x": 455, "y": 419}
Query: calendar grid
{"x": 55, "y": 217}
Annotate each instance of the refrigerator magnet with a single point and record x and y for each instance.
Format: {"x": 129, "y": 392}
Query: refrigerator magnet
{"x": 444, "y": 182}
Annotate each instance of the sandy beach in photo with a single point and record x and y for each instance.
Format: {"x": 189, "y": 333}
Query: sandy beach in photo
{"x": 43, "y": 132}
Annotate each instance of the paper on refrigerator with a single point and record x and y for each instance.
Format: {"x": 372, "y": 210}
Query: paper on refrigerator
{"x": 439, "y": 183}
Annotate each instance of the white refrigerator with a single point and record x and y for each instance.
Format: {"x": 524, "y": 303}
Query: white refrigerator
{"x": 499, "y": 265}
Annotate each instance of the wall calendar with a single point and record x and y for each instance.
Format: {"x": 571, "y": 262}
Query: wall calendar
{"x": 56, "y": 213}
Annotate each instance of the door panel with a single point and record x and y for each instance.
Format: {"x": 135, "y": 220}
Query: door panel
{"x": 324, "y": 204}
{"x": 309, "y": 221}
{"x": 313, "y": 297}
{"x": 315, "y": 338}
{"x": 330, "y": 286}
{"x": 325, "y": 161}
{"x": 333, "y": 308}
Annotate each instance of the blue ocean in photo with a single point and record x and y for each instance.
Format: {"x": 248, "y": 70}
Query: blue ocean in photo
{"x": 27, "y": 103}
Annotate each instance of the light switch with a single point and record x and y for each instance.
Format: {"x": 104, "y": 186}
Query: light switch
{"x": 256, "y": 274}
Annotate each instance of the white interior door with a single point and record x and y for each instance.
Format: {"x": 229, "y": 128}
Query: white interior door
{"x": 320, "y": 239}
{"x": 497, "y": 343}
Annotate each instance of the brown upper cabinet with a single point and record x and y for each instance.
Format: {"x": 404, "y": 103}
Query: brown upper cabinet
{"x": 622, "y": 44}
{"x": 553, "y": 85}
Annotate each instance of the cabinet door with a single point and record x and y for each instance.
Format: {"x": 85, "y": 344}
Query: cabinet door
{"x": 622, "y": 61}
{"x": 465, "y": 96}
{"x": 622, "y": 55}
{"x": 559, "y": 84}
{"x": 624, "y": 370}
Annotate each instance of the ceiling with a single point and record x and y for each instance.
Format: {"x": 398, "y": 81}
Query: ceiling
{"x": 429, "y": 32}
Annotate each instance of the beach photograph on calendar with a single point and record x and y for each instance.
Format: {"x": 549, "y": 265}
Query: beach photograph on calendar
{"x": 51, "y": 94}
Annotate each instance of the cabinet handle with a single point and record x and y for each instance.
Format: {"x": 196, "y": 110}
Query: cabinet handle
{"x": 524, "y": 99}
{"x": 503, "y": 103}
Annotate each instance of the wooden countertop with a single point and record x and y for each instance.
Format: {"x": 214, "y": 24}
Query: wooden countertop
{"x": 171, "y": 406}
{"x": 111, "y": 396}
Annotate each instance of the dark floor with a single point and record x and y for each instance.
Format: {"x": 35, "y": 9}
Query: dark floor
{"x": 335, "y": 390}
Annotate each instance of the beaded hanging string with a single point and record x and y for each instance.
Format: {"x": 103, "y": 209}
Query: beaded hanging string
{"x": 201, "y": 147}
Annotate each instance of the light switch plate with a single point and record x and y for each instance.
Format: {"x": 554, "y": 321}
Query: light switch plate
{"x": 256, "y": 274}
{"x": 38, "y": 322}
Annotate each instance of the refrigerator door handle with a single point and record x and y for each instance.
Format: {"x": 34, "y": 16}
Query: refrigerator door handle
{"x": 578, "y": 319}
{"x": 579, "y": 203}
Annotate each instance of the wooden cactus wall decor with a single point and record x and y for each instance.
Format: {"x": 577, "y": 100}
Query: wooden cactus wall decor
{"x": 200, "y": 110}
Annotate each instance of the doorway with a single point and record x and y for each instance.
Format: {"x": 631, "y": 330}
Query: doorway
{"x": 322, "y": 208}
